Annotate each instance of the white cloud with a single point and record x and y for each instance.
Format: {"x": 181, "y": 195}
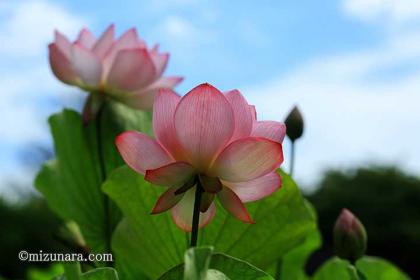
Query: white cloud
{"x": 25, "y": 78}
{"x": 28, "y": 26}
{"x": 178, "y": 29}
{"x": 396, "y": 10}
{"x": 354, "y": 114}
{"x": 186, "y": 39}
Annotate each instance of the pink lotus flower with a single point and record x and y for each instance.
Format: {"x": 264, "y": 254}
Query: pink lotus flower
{"x": 123, "y": 69}
{"x": 211, "y": 138}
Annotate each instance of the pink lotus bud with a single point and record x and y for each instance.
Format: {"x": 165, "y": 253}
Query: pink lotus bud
{"x": 294, "y": 124}
{"x": 350, "y": 239}
{"x": 123, "y": 69}
{"x": 211, "y": 140}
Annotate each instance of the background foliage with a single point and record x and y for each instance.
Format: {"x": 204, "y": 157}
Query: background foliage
{"x": 386, "y": 200}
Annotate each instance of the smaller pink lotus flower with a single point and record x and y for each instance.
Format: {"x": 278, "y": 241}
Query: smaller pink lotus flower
{"x": 123, "y": 69}
{"x": 207, "y": 140}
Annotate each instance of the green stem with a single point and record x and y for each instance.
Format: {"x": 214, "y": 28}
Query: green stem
{"x": 108, "y": 228}
{"x": 196, "y": 215}
{"x": 292, "y": 158}
{"x": 72, "y": 270}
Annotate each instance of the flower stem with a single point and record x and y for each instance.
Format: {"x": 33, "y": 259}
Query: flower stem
{"x": 196, "y": 215}
{"x": 108, "y": 230}
{"x": 292, "y": 158}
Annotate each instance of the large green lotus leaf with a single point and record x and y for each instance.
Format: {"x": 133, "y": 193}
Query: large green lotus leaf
{"x": 71, "y": 182}
{"x": 202, "y": 264}
{"x": 126, "y": 238}
{"x": 154, "y": 244}
{"x": 293, "y": 263}
{"x": 283, "y": 221}
{"x": 374, "y": 268}
{"x": 291, "y": 266}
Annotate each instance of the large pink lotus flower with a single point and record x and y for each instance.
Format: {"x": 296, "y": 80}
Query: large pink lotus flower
{"x": 123, "y": 69}
{"x": 209, "y": 138}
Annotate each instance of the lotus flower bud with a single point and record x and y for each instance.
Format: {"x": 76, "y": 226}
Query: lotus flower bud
{"x": 294, "y": 124}
{"x": 350, "y": 237}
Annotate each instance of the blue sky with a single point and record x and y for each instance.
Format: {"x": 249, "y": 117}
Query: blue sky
{"x": 353, "y": 67}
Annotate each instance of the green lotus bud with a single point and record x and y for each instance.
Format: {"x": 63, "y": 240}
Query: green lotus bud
{"x": 294, "y": 124}
{"x": 350, "y": 237}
